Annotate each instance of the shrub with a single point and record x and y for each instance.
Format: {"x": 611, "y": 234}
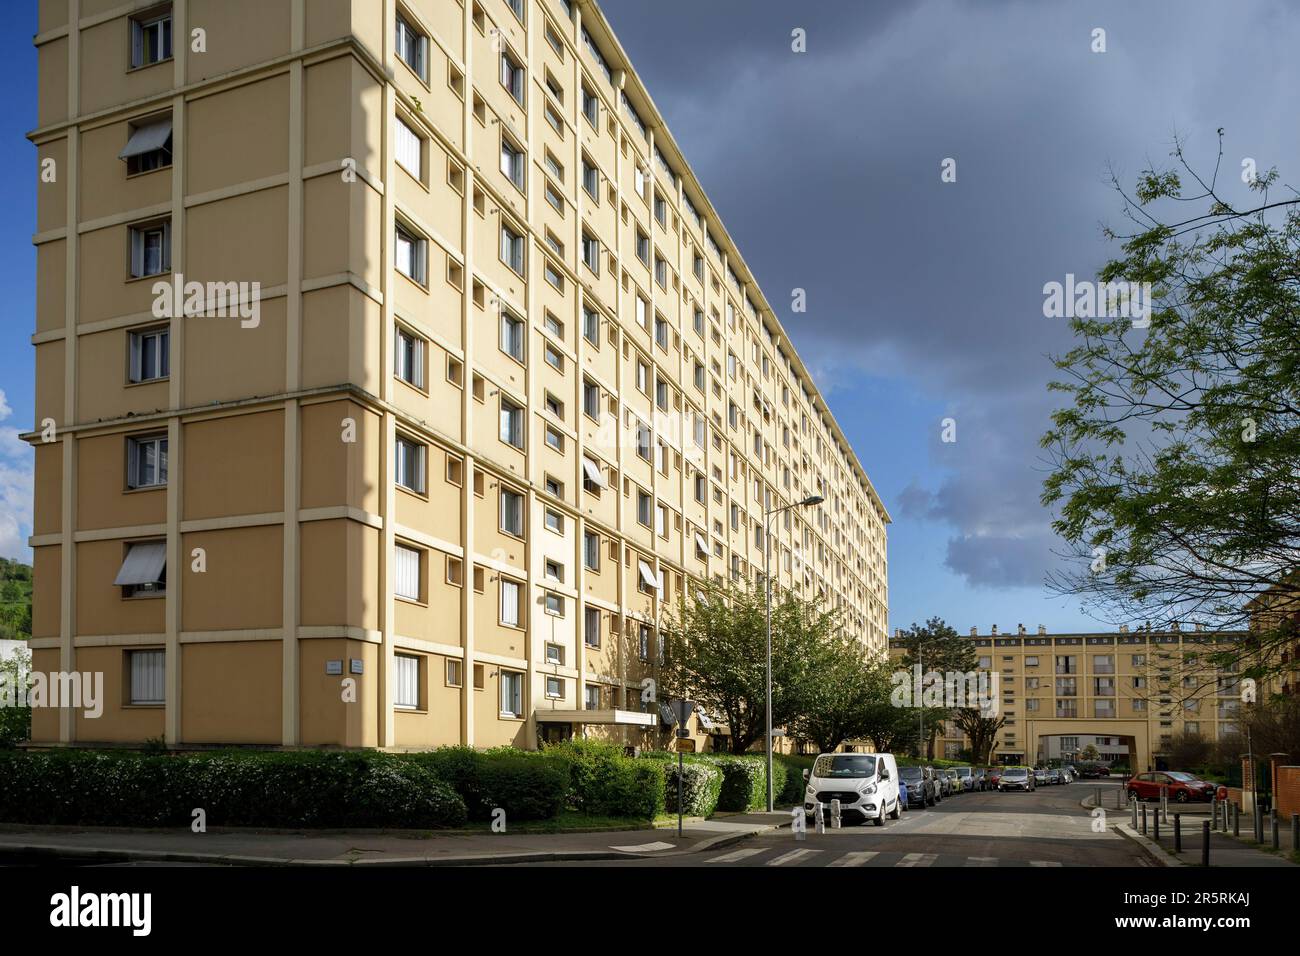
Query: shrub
{"x": 605, "y": 782}
{"x": 254, "y": 789}
{"x": 701, "y": 784}
{"x": 744, "y": 783}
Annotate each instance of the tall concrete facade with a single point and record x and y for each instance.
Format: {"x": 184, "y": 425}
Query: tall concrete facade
{"x": 393, "y": 373}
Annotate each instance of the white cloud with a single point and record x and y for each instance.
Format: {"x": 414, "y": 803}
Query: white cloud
{"x": 16, "y": 486}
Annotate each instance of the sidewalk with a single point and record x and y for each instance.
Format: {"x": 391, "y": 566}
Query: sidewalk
{"x": 1225, "y": 850}
{"x": 367, "y": 848}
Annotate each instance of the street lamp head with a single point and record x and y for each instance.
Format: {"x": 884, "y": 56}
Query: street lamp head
{"x": 812, "y": 500}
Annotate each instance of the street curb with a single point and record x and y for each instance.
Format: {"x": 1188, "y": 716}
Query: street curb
{"x": 1152, "y": 850}
{"x": 106, "y": 854}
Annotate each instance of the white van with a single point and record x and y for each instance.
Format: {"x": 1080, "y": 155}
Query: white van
{"x": 865, "y": 784}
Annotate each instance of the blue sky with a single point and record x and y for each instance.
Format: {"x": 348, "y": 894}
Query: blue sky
{"x": 925, "y": 298}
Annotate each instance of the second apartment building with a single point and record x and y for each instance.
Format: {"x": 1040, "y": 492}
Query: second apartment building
{"x": 509, "y": 386}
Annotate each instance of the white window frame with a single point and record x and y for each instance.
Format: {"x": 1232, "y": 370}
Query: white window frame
{"x": 416, "y": 265}
{"x": 406, "y": 682}
{"x": 511, "y": 512}
{"x": 138, "y": 445}
{"x": 509, "y": 609}
{"x": 147, "y": 667}
{"x": 512, "y": 424}
{"x": 409, "y": 149}
{"x": 162, "y": 22}
{"x": 410, "y": 458}
{"x": 408, "y": 358}
{"x": 160, "y": 367}
{"x": 407, "y": 571}
{"x": 142, "y": 263}
{"x": 412, "y": 47}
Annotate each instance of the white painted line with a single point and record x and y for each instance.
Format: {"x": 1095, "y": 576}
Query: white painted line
{"x": 981, "y": 861}
{"x": 643, "y": 847}
{"x": 859, "y": 858}
{"x": 918, "y": 859}
{"x": 736, "y": 856}
{"x": 1045, "y": 863}
{"x": 790, "y": 857}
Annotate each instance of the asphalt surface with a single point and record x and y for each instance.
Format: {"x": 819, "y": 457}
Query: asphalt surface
{"x": 1046, "y": 828}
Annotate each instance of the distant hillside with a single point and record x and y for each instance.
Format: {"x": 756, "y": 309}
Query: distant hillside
{"x": 15, "y": 600}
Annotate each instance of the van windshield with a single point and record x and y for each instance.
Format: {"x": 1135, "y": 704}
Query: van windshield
{"x": 845, "y": 765}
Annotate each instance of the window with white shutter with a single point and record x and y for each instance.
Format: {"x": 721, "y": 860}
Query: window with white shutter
{"x": 407, "y": 573}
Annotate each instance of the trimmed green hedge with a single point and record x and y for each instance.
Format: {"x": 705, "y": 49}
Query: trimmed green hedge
{"x": 603, "y": 781}
{"x": 701, "y": 785}
{"x": 528, "y": 785}
{"x": 252, "y": 789}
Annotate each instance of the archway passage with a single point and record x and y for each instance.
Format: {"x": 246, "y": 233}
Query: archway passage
{"x": 1118, "y": 742}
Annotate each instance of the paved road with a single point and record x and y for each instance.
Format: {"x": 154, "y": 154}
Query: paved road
{"x": 1046, "y": 828}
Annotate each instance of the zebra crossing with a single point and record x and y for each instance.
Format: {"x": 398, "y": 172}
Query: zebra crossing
{"x": 803, "y": 856}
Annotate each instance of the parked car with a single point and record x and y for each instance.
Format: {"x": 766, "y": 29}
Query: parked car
{"x": 1016, "y": 778}
{"x": 1182, "y": 786}
{"x": 1069, "y": 774}
{"x": 942, "y": 785}
{"x": 954, "y": 781}
{"x": 1054, "y": 776}
{"x": 1040, "y": 777}
{"x": 865, "y": 784}
{"x": 980, "y": 779}
{"x": 991, "y": 777}
{"x": 966, "y": 777}
{"x": 920, "y": 786}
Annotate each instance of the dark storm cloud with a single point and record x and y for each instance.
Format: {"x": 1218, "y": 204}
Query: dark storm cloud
{"x": 825, "y": 167}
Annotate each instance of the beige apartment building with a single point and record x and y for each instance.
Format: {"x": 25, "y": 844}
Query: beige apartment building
{"x": 1127, "y": 693}
{"x": 469, "y": 383}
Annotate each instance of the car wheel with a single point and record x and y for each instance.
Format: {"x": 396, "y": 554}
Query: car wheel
{"x": 1181, "y": 796}
{"x": 879, "y": 818}
{"x": 897, "y": 811}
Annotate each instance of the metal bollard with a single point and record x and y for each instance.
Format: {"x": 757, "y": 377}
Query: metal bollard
{"x": 1134, "y": 805}
{"x": 1155, "y": 830}
{"x": 1236, "y": 819}
{"x": 1178, "y": 833}
{"x": 1259, "y": 823}
{"x": 1214, "y": 813}
{"x": 1096, "y": 798}
{"x": 1295, "y": 833}
{"x": 835, "y": 814}
{"x": 1144, "y": 819}
{"x": 1272, "y": 815}
{"x": 1205, "y": 843}
{"x": 821, "y": 819}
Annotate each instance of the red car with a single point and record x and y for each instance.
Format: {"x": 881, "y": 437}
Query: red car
{"x": 1182, "y": 786}
{"x": 992, "y": 776}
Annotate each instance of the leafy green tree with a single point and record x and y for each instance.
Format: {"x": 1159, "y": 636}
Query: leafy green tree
{"x": 891, "y": 729}
{"x": 1173, "y": 467}
{"x": 935, "y": 647}
{"x": 981, "y": 729}
{"x": 846, "y": 684}
{"x": 716, "y": 654}
{"x": 15, "y": 722}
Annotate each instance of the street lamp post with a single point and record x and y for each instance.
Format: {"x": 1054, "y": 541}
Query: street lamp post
{"x": 767, "y": 586}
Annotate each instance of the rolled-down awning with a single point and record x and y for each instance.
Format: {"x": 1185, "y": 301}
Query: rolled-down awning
{"x": 144, "y": 564}
{"x": 701, "y": 544}
{"x": 592, "y": 471}
{"x": 147, "y": 138}
{"x": 649, "y": 578}
{"x": 627, "y": 717}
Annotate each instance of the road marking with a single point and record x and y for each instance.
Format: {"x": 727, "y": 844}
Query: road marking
{"x": 981, "y": 861}
{"x": 918, "y": 859}
{"x": 737, "y": 855}
{"x": 858, "y": 858}
{"x": 1045, "y": 863}
{"x": 790, "y": 857}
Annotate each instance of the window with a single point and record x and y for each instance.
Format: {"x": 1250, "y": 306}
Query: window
{"x": 551, "y": 355}
{"x": 554, "y": 488}
{"x": 555, "y": 199}
{"x": 412, "y": 48}
{"x": 554, "y": 521}
{"x": 1103, "y": 664}
{"x": 591, "y": 697}
{"x": 512, "y": 162}
{"x": 512, "y": 336}
{"x": 590, "y": 106}
{"x": 591, "y": 550}
{"x": 554, "y": 406}
{"x": 591, "y": 399}
{"x": 406, "y": 679}
{"x": 409, "y": 149}
{"x": 146, "y": 461}
{"x": 592, "y": 482}
{"x": 149, "y": 146}
{"x": 151, "y": 38}
{"x": 661, "y": 210}
{"x": 643, "y": 441}
{"x": 150, "y": 354}
{"x": 554, "y": 326}
{"x": 151, "y": 249}
{"x": 406, "y": 573}
{"x": 591, "y": 626}
{"x": 510, "y": 592}
{"x": 512, "y": 512}
{"x": 512, "y": 694}
{"x": 643, "y": 641}
{"x": 1031, "y": 661}
{"x": 512, "y": 249}
{"x": 144, "y": 570}
{"x": 512, "y": 423}
{"x": 643, "y": 248}
{"x": 409, "y": 254}
{"x": 591, "y": 252}
{"x": 554, "y": 604}
{"x": 455, "y": 672}
{"x": 661, "y": 332}
{"x": 408, "y": 362}
{"x": 554, "y": 687}
{"x": 643, "y": 507}
{"x": 591, "y": 326}
{"x": 148, "y": 677}
{"x": 410, "y": 465}
{"x": 590, "y": 179}
{"x": 512, "y": 76}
